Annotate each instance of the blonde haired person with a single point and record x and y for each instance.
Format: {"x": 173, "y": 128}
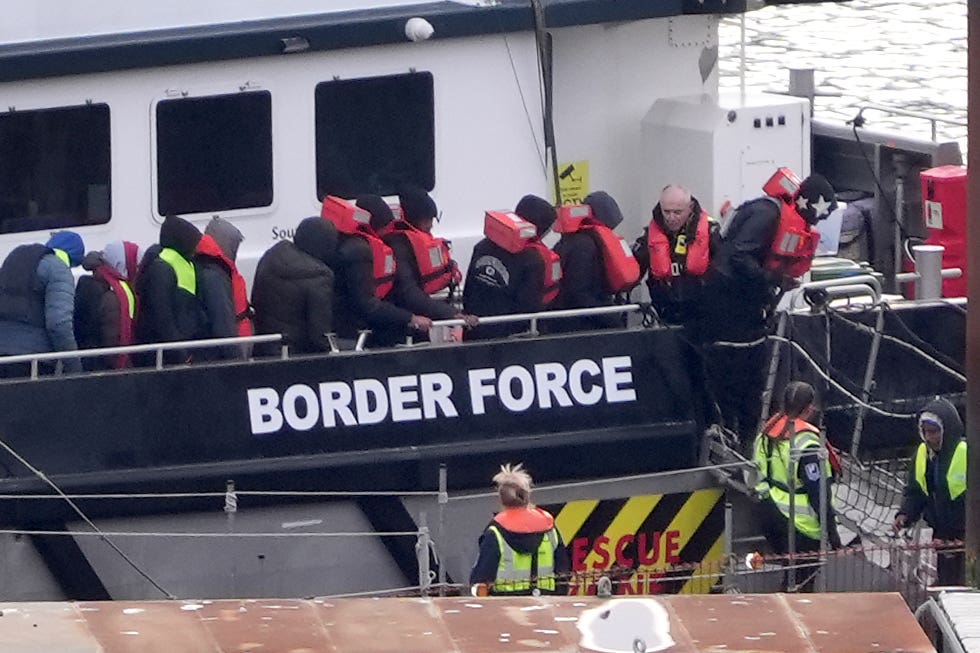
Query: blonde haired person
{"x": 521, "y": 552}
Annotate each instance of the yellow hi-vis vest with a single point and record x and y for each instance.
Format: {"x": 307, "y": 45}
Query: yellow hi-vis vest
{"x": 130, "y": 298}
{"x": 514, "y": 568}
{"x": 63, "y": 255}
{"x": 955, "y": 475}
{"x": 184, "y": 269}
{"x": 780, "y": 478}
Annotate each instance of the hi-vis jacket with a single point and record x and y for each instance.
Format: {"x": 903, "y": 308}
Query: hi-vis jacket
{"x": 353, "y": 220}
{"x": 685, "y": 258}
{"x": 779, "y": 469}
{"x": 521, "y": 553}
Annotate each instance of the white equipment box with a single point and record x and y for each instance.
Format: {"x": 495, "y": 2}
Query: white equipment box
{"x": 723, "y": 151}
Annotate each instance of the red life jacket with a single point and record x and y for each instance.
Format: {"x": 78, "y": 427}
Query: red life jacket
{"x": 552, "y": 270}
{"x": 243, "y": 310}
{"x": 127, "y": 309}
{"x": 351, "y": 219}
{"x": 515, "y": 234}
{"x": 622, "y": 270}
{"x": 696, "y": 254}
{"x": 436, "y": 266}
{"x": 525, "y": 520}
{"x": 794, "y": 245}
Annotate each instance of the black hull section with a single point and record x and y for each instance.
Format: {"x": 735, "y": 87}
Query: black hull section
{"x": 616, "y": 403}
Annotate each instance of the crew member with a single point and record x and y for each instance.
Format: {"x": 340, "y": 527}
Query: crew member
{"x": 105, "y": 303}
{"x": 936, "y": 486}
{"x": 423, "y": 266}
{"x": 521, "y": 552}
{"x": 293, "y": 289}
{"x": 37, "y": 300}
{"x": 221, "y": 286}
{"x": 170, "y": 309}
{"x": 596, "y": 264}
{"x": 766, "y": 244}
{"x": 676, "y": 250}
{"x": 502, "y": 282}
{"x": 791, "y": 464}
{"x": 364, "y": 273}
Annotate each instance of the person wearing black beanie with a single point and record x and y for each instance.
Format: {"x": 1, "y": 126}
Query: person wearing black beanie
{"x": 744, "y": 286}
{"x": 499, "y": 282}
{"x": 423, "y": 265}
{"x": 170, "y": 309}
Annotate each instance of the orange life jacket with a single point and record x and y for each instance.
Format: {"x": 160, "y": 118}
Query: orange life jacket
{"x": 243, "y": 310}
{"x": 776, "y": 428}
{"x": 353, "y": 220}
{"x": 696, "y": 253}
{"x": 794, "y": 245}
{"x": 525, "y": 520}
{"x": 621, "y": 267}
{"x": 552, "y": 270}
{"x": 436, "y": 266}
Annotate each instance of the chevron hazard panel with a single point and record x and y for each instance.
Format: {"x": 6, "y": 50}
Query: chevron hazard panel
{"x": 648, "y": 544}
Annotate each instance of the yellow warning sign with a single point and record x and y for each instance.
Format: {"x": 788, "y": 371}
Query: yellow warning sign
{"x": 649, "y": 544}
{"x": 573, "y": 181}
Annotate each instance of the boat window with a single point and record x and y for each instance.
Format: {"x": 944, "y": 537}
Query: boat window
{"x": 54, "y": 168}
{"x": 214, "y": 153}
{"x": 374, "y": 134}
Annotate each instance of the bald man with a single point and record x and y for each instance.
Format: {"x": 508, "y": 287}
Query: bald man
{"x": 675, "y": 250}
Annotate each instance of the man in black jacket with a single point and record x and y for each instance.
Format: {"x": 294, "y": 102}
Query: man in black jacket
{"x": 293, "y": 289}
{"x": 170, "y": 309}
{"x": 740, "y": 295}
{"x": 500, "y": 283}
{"x": 214, "y": 261}
{"x": 356, "y": 302}
{"x": 583, "y": 281}
{"x": 419, "y": 212}
{"x": 936, "y": 486}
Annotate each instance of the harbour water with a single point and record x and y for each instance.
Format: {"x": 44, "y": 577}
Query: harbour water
{"x": 908, "y": 54}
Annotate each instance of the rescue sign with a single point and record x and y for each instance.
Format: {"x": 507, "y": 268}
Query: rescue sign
{"x": 649, "y": 544}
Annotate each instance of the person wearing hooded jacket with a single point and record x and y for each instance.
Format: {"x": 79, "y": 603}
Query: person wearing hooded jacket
{"x": 294, "y": 287}
{"x": 521, "y": 550}
{"x": 419, "y": 212}
{"x": 741, "y": 291}
{"x": 936, "y": 485}
{"x": 583, "y": 281}
{"x": 170, "y": 308}
{"x": 37, "y": 300}
{"x": 499, "y": 282}
{"x": 356, "y": 302}
{"x": 685, "y": 239}
{"x": 221, "y": 286}
{"x": 105, "y": 303}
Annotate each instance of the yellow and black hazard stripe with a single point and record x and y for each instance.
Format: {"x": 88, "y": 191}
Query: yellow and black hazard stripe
{"x": 671, "y": 542}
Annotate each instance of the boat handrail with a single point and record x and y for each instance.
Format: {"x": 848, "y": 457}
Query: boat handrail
{"x": 160, "y": 347}
{"x": 859, "y": 285}
{"x": 932, "y": 118}
{"x": 157, "y": 348}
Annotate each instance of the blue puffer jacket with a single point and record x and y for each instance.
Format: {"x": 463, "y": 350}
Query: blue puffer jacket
{"x": 54, "y": 282}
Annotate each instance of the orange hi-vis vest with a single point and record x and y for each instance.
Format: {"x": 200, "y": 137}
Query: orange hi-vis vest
{"x": 621, "y": 268}
{"x": 794, "y": 245}
{"x": 351, "y": 219}
{"x": 243, "y": 310}
{"x": 431, "y": 253}
{"x": 696, "y": 254}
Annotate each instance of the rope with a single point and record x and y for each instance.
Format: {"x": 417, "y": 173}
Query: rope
{"x": 12, "y": 531}
{"x": 78, "y": 511}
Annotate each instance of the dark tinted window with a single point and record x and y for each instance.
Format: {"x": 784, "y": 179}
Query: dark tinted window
{"x": 214, "y": 153}
{"x": 374, "y": 134}
{"x": 54, "y": 168}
